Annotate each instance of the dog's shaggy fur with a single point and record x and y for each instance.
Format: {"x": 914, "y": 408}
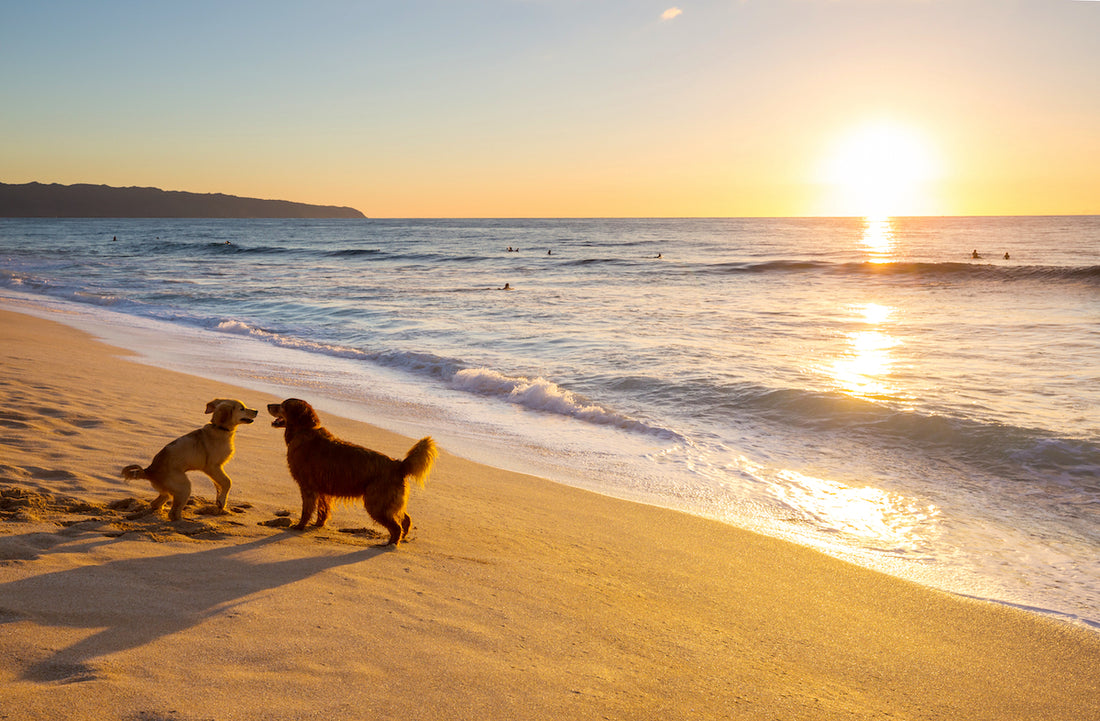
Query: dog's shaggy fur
{"x": 205, "y": 449}
{"x": 327, "y": 468}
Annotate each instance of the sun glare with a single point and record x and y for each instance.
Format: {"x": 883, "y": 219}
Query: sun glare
{"x": 880, "y": 170}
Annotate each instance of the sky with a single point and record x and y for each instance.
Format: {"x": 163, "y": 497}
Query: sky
{"x": 565, "y": 108}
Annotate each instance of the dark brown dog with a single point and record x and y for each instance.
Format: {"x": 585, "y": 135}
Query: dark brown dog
{"x": 327, "y": 468}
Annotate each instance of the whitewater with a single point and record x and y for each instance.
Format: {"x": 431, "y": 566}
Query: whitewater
{"x": 866, "y": 387}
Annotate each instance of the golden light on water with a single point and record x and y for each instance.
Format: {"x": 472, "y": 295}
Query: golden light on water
{"x": 876, "y": 314}
{"x": 882, "y": 519}
{"x": 879, "y": 519}
{"x": 878, "y": 238}
{"x": 864, "y": 371}
{"x": 862, "y": 368}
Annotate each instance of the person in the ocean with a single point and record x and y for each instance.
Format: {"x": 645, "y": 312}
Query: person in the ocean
{"x": 1007, "y": 256}
{"x": 975, "y": 254}
{"x": 549, "y": 252}
{"x": 507, "y": 286}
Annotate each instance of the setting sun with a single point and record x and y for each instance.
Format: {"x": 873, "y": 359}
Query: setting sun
{"x": 880, "y": 169}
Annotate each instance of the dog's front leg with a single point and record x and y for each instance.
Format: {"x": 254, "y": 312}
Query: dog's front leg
{"x": 223, "y": 483}
{"x": 309, "y": 503}
{"x": 324, "y": 506}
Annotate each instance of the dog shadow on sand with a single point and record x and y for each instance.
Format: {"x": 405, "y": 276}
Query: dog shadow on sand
{"x": 136, "y": 601}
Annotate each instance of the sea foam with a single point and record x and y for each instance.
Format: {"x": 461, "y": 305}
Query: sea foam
{"x": 542, "y": 395}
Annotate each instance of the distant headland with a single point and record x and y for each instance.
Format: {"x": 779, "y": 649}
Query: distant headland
{"x": 37, "y": 200}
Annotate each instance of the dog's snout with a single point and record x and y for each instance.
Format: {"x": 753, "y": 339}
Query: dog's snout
{"x": 276, "y": 409}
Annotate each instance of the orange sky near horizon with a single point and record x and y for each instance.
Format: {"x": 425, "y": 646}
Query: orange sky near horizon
{"x": 563, "y": 108}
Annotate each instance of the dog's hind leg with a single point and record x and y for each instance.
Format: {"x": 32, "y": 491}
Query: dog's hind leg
{"x": 406, "y": 523}
{"x": 395, "y": 530}
{"x": 388, "y": 518}
{"x": 391, "y": 524}
{"x": 179, "y": 486}
{"x": 159, "y": 501}
{"x": 154, "y": 506}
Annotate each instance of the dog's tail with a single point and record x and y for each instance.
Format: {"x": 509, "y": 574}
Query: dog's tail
{"x": 418, "y": 462}
{"x": 133, "y": 473}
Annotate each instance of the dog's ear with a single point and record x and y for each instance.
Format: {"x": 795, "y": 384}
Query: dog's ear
{"x": 303, "y": 413}
{"x": 213, "y": 404}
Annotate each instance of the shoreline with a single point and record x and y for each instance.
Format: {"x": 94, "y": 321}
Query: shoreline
{"x": 341, "y": 388}
{"x": 516, "y": 597}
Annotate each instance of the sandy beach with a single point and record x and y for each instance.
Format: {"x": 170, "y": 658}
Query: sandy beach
{"x": 516, "y": 598}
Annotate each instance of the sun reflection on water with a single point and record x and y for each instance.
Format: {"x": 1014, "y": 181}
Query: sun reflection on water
{"x": 878, "y": 238}
{"x": 878, "y": 520}
{"x": 884, "y": 521}
{"x": 864, "y": 370}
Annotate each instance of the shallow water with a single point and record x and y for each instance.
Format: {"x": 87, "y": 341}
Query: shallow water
{"x": 862, "y": 386}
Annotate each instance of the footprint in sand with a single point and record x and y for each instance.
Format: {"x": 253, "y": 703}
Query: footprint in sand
{"x": 22, "y": 505}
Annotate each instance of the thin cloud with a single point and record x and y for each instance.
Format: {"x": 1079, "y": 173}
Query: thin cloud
{"x": 671, "y": 13}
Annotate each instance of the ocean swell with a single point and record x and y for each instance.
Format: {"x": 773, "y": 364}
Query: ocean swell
{"x": 1015, "y": 452}
{"x": 918, "y": 270}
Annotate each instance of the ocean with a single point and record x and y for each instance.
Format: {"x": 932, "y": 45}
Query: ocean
{"x": 866, "y": 387}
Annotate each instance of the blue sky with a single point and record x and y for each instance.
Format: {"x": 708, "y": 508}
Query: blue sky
{"x": 557, "y": 107}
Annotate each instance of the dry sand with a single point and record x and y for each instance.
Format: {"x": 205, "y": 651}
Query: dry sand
{"x": 516, "y": 598}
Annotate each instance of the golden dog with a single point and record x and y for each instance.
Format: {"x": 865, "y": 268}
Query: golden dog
{"x": 327, "y": 468}
{"x": 205, "y": 449}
